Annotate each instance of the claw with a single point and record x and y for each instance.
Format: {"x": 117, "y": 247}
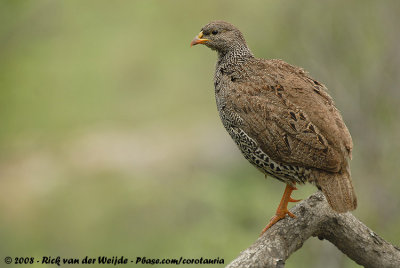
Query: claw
{"x": 291, "y": 214}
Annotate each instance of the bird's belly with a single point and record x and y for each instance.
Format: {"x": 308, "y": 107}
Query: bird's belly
{"x": 256, "y": 156}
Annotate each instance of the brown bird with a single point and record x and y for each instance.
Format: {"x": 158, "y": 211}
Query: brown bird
{"x": 283, "y": 121}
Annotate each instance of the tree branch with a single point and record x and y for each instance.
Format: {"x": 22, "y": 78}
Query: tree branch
{"x": 316, "y": 218}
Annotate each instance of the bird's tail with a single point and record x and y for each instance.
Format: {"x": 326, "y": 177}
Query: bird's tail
{"x": 338, "y": 189}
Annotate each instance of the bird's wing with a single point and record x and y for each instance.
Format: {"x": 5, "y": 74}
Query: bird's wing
{"x": 292, "y": 118}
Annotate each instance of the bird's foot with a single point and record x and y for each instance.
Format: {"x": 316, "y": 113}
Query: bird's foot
{"x": 278, "y": 216}
{"x": 282, "y": 210}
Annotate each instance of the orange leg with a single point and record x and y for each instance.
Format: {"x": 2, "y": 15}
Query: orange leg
{"x": 282, "y": 208}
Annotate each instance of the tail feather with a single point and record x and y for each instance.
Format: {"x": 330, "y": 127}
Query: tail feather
{"x": 338, "y": 189}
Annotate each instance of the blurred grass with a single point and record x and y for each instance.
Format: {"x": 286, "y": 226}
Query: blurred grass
{"x": 110, "y": 143}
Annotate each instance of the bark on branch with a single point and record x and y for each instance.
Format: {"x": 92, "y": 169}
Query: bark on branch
{"x": 316, "y": 218}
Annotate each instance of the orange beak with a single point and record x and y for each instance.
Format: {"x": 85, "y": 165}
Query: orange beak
{"x": 198, "y": 40}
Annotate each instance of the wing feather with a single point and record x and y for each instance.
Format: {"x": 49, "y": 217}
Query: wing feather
{"x": 269, "y": 104}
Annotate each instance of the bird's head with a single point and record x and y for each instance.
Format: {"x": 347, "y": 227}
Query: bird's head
{"x": 219, "y": 36}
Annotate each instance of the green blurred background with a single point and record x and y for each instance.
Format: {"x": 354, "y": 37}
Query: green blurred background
{"x": 110, "y": 142}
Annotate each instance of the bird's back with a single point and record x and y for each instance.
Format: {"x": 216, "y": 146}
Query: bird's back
{"x": 290, "y": 115}
{"x": 285, "y": 123}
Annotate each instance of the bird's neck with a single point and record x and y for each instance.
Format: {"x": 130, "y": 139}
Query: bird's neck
{"x": 237, "y": 54}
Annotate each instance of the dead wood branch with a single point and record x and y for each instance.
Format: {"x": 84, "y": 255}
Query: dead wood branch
{"x": 316, "y": 218}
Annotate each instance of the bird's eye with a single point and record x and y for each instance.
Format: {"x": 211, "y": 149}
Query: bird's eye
{"x": 214, "y": 32}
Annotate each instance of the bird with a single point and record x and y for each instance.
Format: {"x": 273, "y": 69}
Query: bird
{"x": 283, "y": 121}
